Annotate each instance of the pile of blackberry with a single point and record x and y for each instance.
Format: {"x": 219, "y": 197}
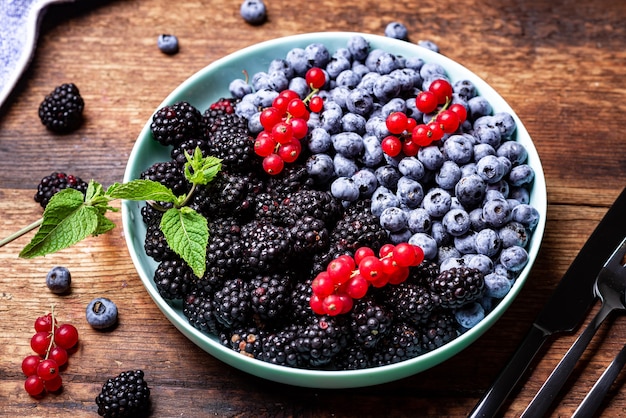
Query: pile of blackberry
{"x": 269, "y": 237}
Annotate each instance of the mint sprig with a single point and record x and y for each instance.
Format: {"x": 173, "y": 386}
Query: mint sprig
{"x": 71, "y": 216}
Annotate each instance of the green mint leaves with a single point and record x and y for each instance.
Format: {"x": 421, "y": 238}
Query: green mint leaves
{"x": 71, "y": 217}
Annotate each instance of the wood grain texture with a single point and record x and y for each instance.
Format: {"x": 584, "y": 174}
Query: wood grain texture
{"x": 559, "y": 64}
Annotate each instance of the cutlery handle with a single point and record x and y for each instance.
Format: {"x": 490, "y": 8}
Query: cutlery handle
{"x": 594, "y": 398}
{"x": 495, "y": 396}
{"x": 552, "y": 386}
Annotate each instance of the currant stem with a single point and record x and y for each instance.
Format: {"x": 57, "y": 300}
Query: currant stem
{"x": 53, "y": 320}
{"x": 21, "y": 232}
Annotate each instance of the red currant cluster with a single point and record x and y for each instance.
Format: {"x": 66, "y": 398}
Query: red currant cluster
{"x": 408, "y": 136}
{"x": 347, "y": 278}
{"x": 285, "y": 124}
{"x": 51, "y": 342}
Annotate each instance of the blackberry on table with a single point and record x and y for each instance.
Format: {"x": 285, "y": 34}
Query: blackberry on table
{"x": 199, "y": 309}
{"x": 227, "y": 195}
{"x": 223, "y": 256}
{"x": 172, "y": 124}
{"x": 126, "y": 395}
{"x": 217, "y": 113}
{"x": 62, "y": 110}
{"x": 316, "y": 203}
{"x": 174, "y": 278}
{"x": 457, "y": 286}
{"x": 232, "y": 304}
{"x": 169, "y": 174}
{"x": 270, "y": 207}
{"x": 293, "y": 178}
{"x": 54, "y": 183}
{"x": 299, "y": 301}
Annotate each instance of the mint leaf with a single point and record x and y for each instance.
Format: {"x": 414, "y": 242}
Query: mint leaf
{"x": 142, "y": 190}
{"x": 199, "y": 169}
{"x": 187, "y": 234}
{"x": 66, "y": 221}
{"x": 104, "y": 225}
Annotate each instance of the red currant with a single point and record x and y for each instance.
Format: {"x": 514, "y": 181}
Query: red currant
{"x": 396, "y": 122}
{"x": 404, "y": 254}
{"x": 361, "y": 253}
{"x": 448, "y": 121}
{"x": 315, "y": 77}
{"x": 410, "y": 148}
{"x": 333, "y": 304}
{"x": 317, "y": 304}
{"x": 297, "y": 109}
{"x": 34, "y": 385}
{"x": 442, "y": 90}
{"x": 273, "y": 164}
{"x": 422, "y": 135}
{"x": 280, "y": 103}
{"x": 426, "y": 102}
{"x": 386, "y": 250}
{"x": 391, "y": 145}
{"x": 316, "y": 104}
{"x": 264, "y": 144}
{"x": 460, "y": 111}
{"x": 29, "y": 364}
{"x": 322, "y": 285}
{"x": 340, "y": 269}
{"x": 410, "y": 124}
{"x": 44, "y": 323}
{"x": 289, "y": 95}
{"x": 346, "y": 302}
{"x": 58, "y": 354}
{"x": 437, "y": 132}
{"x": 48, "y": 369}
{"x": 66, "y": 336}
{"x": 400, "y": 275}
{"x": 357, "y": 287}
{"x": 40, "y": 342}
{"x": 53, "y": 384}
{"x": 299, "y": 128}
{"x": 291, "y": 151}
{"x": 282, "y": 132}
{"x": 371, "y": 268}
{"x": 269, "y": 117}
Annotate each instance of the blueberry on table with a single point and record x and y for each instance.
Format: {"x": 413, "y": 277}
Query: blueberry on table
{"x": 397, "y": 30}
{"x": 58, "y": 279}
{"x": 253, "y": 11}
{"x": 101, "y": 313}
{"x": 168, "y": 44}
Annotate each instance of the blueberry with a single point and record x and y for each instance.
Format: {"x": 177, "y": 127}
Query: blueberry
{"x": 470, "y": 190}
{"x": 168, "y": 44}
{"x": 505, "y": 122}
{"x": 283, "y": 66}
{"x": 514, "y": 258}
{"x": 431, "y": 157}
{"x": 387, "y": 176}
{"x": 349, "y": 144}
{"x": 513, "y": 233}
{"x": 449, "y": 256}
{"x": 239, "y": 88}
{"x": 360, "y": 102}
{"x": 465, "y": 89}
{"x": 348, "y": 78}
{"x": 456, "y": 222}
{"x": 411, "y": 167}
{"x": 101, "y": 313}
{"x": 319, "y": 141}
{"x": 458, "y": 148}
{"x": 521, "y": 175}
{"x": 300, "y": 86}
{"x": 366, "y": 181}
{"x": 409, "y": 79}
{"x": 491, "y": 169}
{"x": 58, "y": 279}
{"x": 497, "y": 286}
{"x": 520, "y": 194}
{"x": 396, "y": 104}
{"x": 410, "y": 192}
{"x": 317, "y": 55}
{"x": 497, "y": 212}
{"x": 515, "y": 152}
{"x": 296, "y": 57}
{"x": 367, "y": 82}
{"x": 253, "y": 11}
{"x": 397, "y": 30}
{"x": 439, "y": 233}
{"x": 487, "y": 134}
{"x": 418, "y": 220}
{"x": 400, "y": 236}
{"x": 429, "y": 45}
{"x": 336, "y": 65}
{"x": 344, "y": 166}
{"x": 432, "y": 71}
{"x": 393, "y": 219}
{"x": 344, "y": 188}
{"x": 351, "y": 122}
{"x": 383, "y": 198}
{"x": 466, "y": 243}
{"x": 526, "y": 214}
{"x": 488, "y": 242}
{"x": 372, "y": 152}
{"x": 331, "y": 120}
{"x": 483, "y": 150}
{"x": 377, "y": 127}
{"x": 437, "y": 202}
{"x": 477, "y": 220}
{"x": 359, "y": 47}
{"x": 386, "y": 87}
{"x": 448, "y": 175}
{"x": 426, "y": 243}
{"x": 481, "y": 262}
{"x": 468, "y": 316}
{"x": 320, "y": 167}
{"x": 278, "y": 81}
{"x": 478, "y": 107}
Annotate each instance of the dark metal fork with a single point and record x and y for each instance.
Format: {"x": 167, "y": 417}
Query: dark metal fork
{"x": 610, "y": 288}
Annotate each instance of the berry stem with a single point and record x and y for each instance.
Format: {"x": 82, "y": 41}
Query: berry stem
{"x": 21, "y": 232}
{"x": 53, "y": 321}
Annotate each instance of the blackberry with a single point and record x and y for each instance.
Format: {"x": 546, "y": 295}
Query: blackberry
{"x": 223, "y": 255}
{"x": 178, "y": 152}
{"x": 440, "y": 328}
{"x": 62, "y": 110}
{"x": 278, "y": 347}
{"x": 233, "y": 145}
{"x": 401, "y": 343}
{"x": 54, "y": 183}
{"x": 217, "y": 112}
{"x": 359, "y": 228}
{"x": 321, "y": 340}
{"x": 266, "y": 247}
{"x": 126, "y": 395}
{"x": 246, "y": 341}
{"x": 316, "y": 203}
{"x": 425, "y": 273}
{"x": 352, "y": 357}
{"x": 369, "y": 321}
{"x": 321, "y": 259}
{"x": 309, "y": 236}
{"x": 172, "y": 124}
{"x": 155, "y": 244}
{"x": 198, "y": 308}
{"x": 294, "y": 177}
{"x": 269, "y": 295}
{"x": 149, "y": 214}
{"x": 174, "y": 278}
{"x": 232, "y": 304}
{"x": 270, "y": 207}
{"x": 169, "y": 174}
{"x": 299, "y": 300}
{"x": 457, "y": 286}
{"x": 227, "y": 195}
{"x": 410, "y": 301}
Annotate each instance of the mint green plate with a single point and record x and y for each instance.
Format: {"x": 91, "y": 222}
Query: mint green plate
{"x": 210, "y": 84}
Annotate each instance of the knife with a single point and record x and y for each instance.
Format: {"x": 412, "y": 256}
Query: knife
{"x": 565, "y": 310}
{"x": 19, "y": 30}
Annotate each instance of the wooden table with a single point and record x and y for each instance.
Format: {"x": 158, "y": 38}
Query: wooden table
{"x": 560, "y": 64}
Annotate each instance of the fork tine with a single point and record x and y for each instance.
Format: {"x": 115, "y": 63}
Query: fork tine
{"x": 617, "y": 258}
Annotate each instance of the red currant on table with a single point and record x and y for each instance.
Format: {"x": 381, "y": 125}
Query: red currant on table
{"x": 44, "y": 323}
{"x": 34, "y": 385}
{"x": 29, "y": 364}
{"x": 48, "y": 369}
{"x": 40, "y": 342}
{"x": 66, "y": 336}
